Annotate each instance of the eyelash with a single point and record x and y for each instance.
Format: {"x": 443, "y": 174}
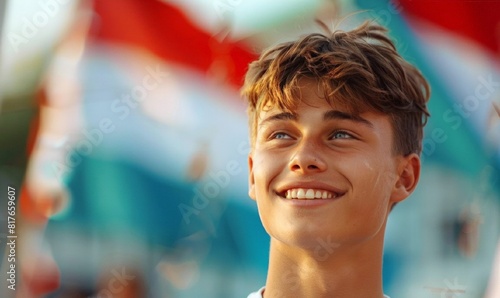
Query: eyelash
{"x": 273, "y": 136}
{"x": 349, "y": 136}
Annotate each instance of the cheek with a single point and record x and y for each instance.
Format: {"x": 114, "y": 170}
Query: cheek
{"x": 267, "y": 166}
{"x": 265, "y": 169}
{"x": 373, "y": 176}
{"x": 263, "y": 173}
{"x": 371, "y": 181}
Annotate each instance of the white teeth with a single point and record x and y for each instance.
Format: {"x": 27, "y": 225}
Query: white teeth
{"x": 310, "y": 194}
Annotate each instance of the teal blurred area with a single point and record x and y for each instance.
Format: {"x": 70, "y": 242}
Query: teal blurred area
{"x": 125, "y": 133}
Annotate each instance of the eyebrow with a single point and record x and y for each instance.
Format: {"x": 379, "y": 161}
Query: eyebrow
{"x": 280, "y": 116}
{"x": 338, "y": 115}
{"x": 330, "y": 115}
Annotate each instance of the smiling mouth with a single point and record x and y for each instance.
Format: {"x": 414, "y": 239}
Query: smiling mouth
{"x": 308, "y": 194}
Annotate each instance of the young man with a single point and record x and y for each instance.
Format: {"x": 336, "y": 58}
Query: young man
{"x": 336, "y": 126}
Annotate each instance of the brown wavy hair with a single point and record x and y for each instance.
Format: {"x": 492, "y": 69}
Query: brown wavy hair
{"x": 360, "y": 69}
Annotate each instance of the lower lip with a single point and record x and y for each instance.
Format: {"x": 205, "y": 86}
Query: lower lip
{"x": 309, "y": 202}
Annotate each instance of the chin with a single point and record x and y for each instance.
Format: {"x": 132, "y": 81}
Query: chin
{"x": 318, "y": 239}
{"x": 304, "y": 237}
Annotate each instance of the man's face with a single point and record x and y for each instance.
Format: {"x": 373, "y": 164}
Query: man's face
{"x": 323, "y": 173}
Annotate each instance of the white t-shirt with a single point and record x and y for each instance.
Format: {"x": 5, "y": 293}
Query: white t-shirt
{"x": 258, "y": 294}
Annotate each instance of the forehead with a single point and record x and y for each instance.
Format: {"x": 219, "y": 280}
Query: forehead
{"x": 310, "y": 100}
{"x": 322, "y": 112}
{"x": 310, "y": 93}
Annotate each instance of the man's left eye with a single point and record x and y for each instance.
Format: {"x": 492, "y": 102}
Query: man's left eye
{"x": 341, "y": 135}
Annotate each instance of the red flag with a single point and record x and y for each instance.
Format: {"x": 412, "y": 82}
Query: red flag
{"x": 168, "y": 33}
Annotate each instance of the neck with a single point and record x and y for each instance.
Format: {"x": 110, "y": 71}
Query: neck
{"x": 341, "y": 272}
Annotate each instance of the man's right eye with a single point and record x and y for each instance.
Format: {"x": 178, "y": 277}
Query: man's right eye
{"x": 279, "y": 135}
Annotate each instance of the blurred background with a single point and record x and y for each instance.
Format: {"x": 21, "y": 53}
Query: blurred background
{"x": 124, "y": 135}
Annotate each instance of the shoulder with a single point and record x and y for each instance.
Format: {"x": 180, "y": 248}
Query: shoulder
{"x": 257, "y": 294}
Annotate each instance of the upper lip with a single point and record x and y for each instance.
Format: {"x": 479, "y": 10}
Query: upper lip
{"x": 281, "y": 190}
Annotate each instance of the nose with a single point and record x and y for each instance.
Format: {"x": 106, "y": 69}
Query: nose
{"x": 307, "y": 159}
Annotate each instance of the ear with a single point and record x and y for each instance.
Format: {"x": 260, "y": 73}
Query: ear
{"x": 408, "y": 176}
{"x": 251, "y": 180}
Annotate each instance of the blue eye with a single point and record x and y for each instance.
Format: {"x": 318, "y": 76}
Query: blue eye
{"x": 280, "y": 135}
{"x": 341, "y": 135}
